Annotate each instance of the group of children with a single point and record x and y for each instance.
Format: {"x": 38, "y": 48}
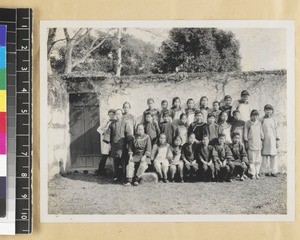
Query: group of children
{"x": 206, "y": 144}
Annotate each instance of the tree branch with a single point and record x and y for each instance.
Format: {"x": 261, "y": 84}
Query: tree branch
{"x": 82, "y": 36}
{"x": 67, "y": 34}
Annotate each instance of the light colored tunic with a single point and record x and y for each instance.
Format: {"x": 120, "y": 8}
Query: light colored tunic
{"x": 182, "y": 131}
{"x": 175, "y": 114}
{"x": 253, "y": 135}
{"x": 105, "y": 147}
{"x": 269, "y": 130}
{"x": 190, "y": 113}
{"x": 225, "y": 128}
{"x": 161, "y": 154}
{"x": 244, "y": 109}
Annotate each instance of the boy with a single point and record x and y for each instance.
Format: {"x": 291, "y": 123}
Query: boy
{"x": 119, "y": 134}
{"x": 213, "y": 127}
{"x": 252, "y": 136}
{"x": 223, "y": 164}
{"x": 154, "y": 112}
{"x": 238, "y": 125}
{"x": 204, "y": 107}
{"x": 151, "y": 128}
{"x": 189, "y": 158}
{"x": 206, "y": 155}
{"x": 139, "y": 152}
{"x": 164, "y": 107}
{"x": 199, "y": 127}
{"x": 242, "y": 105}
{"x": 239, "y": 154}
{"x": 190, "y": 111}
{"x": 227, "y": 107}
{"x": 105, "y": 147}
{"x": 167, "y": 127}
{"x": 216, "y": 110}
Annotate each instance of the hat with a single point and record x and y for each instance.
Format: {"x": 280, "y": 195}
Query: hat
{"x": 210, "y": 115}
{"x": 197, "y": 112}
{"x": 268, "y": 106}
{"x": 245, "y": 92}
{"x": 236, "y": 111}
{"x": 111, "y": 111}
{"x": 227, "y": 97}
{"x": 254, "y": 112}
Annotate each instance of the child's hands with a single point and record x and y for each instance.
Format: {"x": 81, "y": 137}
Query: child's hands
{"x": 130, "y": 158}
{"x": 143, "y": 159}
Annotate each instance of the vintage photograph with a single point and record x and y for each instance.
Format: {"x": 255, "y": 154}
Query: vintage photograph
{"x": 167, "y": 121}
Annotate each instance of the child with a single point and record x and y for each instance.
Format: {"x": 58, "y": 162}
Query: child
{"x": 199, "y": 127}
{"x": 176, "y": 110}
{"x": 154, "y": 112}
{"x": 105, "y": 147}
{"x": 164, "y": 107}
{"x": 167, "y": 127}
{"x": 190, "y": 111}
{"x": 225, "y": 127}
{"x": 119, "y": 134}
{"x": 176, "y": 164}
{"x": 227, "y": 107}
{"x": 139, "y": 152}
{"x": 181, "y": 128}
{"x": 206, "y": 156}
{"x": 213, "y": 127}
{"x": 270, "y": 141}
{"x": 242, "y": 105}
{"x": 239, "y": 154}
{"x": 151, "y": 128}
{"x": 204, "y": 107}
{"x": 238, "y": 125}
{"x": 189, "y": 158}
{"x": 216, "y": 110}
{"x": 128, "y": 117}
{"x": 252, "y": 136}
{"x": 223, "y": 165}
{"x": 161, "y": 155}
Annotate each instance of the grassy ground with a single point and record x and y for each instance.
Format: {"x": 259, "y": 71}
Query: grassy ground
{"x": 87, "y": 194}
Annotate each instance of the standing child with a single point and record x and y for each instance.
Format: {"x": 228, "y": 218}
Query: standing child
{"x": 176, "y": 110}
{"x": 105, "y": 147}
{"x": 176, "y": 164}
{"x": 270, "y": 141}
{"x": 206, "y": 156}
{"x": 188, "y": 155}
{"x": 119, "y": 134}
{"x": 223, "y": 165}
{"x": 204, "y": 107}
{"x": 139, "y": 154}
{"x": 128, "y": 117}
{"x": 167, "y": 127}
{"x": 154, "y": 112}
{"x": 164, "y": 107}
{"x": 225, "y": 127}
{"x": 199, "y": 127}
{"x": 242, "y": 105}
{"x": 161, "y": 155}
{"x": 238, "y": 125}
{"x": 227, "y": 107}
{"x": 213, "y": 127}
{"x": 216, "y": 110}
{"x": 151, "y": 128}
{"x": 181, "y": 128}
{"x": 190, "y": 111}
{"x": 252, "y": 136}
{"x": 239, "y": 154}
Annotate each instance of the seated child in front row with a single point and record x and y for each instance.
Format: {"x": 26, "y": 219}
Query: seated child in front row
{"x": 161, "y": 156}
{"x": 223, "y": 163}
{"x": 151, "y": 128}
{"x": 176, "y": 164}
{"x": 188, "y": 155}
{"x": 239, "y": 154}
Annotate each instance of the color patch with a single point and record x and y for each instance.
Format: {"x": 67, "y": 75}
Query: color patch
{"x": 2, "y": 145}
{"x": 2, "y": 57}
{"x": 2, "y": 35}
{"x": 2, "y": 101}
{"x": 2, "y": 187}
{"x": 3, "y": 169}
{"x": 2, "y": 122}
{"x": 2, "y": 79}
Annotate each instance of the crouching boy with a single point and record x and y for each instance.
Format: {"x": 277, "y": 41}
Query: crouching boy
{"x": 223, "y": 164}
{"x": 189, "y": 158}
{"x": 239, "y": 154}
{"x": 139, "y": 152}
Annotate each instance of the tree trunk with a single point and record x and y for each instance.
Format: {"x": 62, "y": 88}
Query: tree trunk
{"x": 51, "y": 37}
{"x": 119, "y": 63}
{"x": 68, "y": 59}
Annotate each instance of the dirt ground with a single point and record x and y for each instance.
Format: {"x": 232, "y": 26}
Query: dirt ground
{"x": 86, "y": 194}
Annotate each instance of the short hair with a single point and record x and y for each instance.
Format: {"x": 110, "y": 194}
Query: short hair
{"x": 150, "y": 100}
{"x": 254, "y": 112}
{"x": 221, "y": 135}
{"x": 203, "y": 97}
{"x": 119, "y": 109}
{"x": 221, "y": 114}
{"x": 205, "y": 135}
{"x": 216, "y": 102}
{"x": 126, "y": 103}
{"x": 192, "y": 134}
{"x": 140, "y": 124}
{"x": 182, "y": 115}
{"x": 148, "y": 113}
{"x": 227, "y": 97}
{"x": 236, "y": 134}
{"x": 164, "y": 101}
{"x": 190, "y": 99}
{"x": 175, "y": 99}
{"x": 235, "y": 112}
{"x": 111, "y": 111}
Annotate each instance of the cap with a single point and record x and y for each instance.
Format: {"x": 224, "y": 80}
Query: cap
{"x": 254, "y": 112}
{"x": 111, "y": 111}
{"x": 235, "y": 111}
{"x": 268, "y": 106}
{"x": 210, "y": 115}
{"x": 227, "y": 97}
{"x": 245, "y": 92}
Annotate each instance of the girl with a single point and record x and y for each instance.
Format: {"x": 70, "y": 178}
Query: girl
{"x": 216, "y": 110}
{"x": 227, "y": 107}
{"x": 161, "y": 155}
{"x": 182, "y": 128}
{"x": 176, "y": 110}
{"x": 164, "y": 107}
{"x": 225, "y": 127}
{"x": 238, "y": 125}
{"x": 252, "y": 136}
{"x": 242, "y": 105}
{"x": 270, "y": 141}
{"x": 204, "y": 107}
{"x": 190, "y": 111}
{"x": 154, "y": 112}
{"x": 128, "y": 117}
{"x": 176, "y": 164}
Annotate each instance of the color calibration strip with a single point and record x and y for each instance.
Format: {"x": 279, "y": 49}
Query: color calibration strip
{"x": 3, "y": 128}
